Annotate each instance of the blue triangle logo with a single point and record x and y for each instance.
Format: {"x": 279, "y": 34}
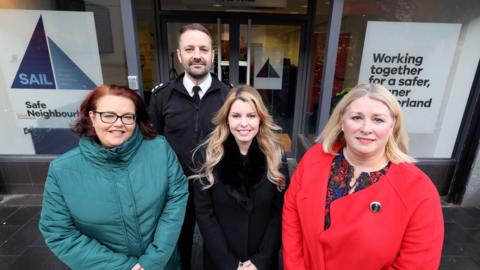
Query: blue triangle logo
{"x": 35, "y": 70}
{"x": 67, "y": 73}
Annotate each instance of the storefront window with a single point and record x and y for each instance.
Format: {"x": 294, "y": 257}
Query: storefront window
{"x": 51, "y": 55}
{"x": 145, "y": 19}
{"x": 424, "y": 52}
{"x": 317, "y": 54}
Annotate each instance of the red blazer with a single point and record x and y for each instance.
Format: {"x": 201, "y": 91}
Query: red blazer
{"x": 407, "y": 232}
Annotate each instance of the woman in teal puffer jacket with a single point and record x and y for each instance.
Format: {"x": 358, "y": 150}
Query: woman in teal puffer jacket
{"x": 117, "y": 201}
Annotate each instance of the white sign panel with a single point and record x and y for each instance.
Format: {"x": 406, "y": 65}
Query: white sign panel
{"x": 267, "y": 68}
{"x": 413, "y": 61}
{"x": 49, "y": 61}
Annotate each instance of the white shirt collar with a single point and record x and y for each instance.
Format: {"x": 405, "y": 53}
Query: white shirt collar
{"x": 204, "y": 85}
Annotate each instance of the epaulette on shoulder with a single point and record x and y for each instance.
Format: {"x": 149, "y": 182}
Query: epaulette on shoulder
{"x": 229, "y": 85}
{"x": 159, "y": 87}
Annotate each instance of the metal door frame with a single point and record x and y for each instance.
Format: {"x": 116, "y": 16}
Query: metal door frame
{"x": 304, "y": 21}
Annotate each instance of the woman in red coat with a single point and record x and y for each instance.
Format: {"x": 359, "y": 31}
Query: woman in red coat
{"x": 356, "y": 201}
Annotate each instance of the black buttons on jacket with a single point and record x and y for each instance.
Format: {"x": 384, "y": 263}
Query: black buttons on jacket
{"x": 375, "y": 207}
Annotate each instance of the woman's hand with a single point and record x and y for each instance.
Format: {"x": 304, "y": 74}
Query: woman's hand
{"x": 247, "y": 265}
{"x": 137, "y": 267}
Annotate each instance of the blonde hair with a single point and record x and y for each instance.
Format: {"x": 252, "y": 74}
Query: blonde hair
{"x": 397, "y": 144}
{"x": 267, "y": 138}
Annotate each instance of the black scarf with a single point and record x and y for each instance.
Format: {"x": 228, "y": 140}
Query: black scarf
{"x": 242, "y": 173}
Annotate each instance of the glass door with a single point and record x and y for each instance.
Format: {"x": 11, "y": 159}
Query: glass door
{"x": 269, "y": 61}
{"x": 265, "y": 56}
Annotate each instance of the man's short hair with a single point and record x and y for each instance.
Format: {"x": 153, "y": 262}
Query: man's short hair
{"x": 194, "y": 26}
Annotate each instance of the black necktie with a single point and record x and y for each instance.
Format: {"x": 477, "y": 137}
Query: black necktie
{"x": 196, "y": 96}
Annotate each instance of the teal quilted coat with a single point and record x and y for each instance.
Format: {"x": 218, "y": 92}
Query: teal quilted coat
{"x": 113, "y": 208}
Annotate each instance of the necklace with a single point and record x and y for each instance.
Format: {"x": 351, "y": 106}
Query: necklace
{"x": 353, "y": 184}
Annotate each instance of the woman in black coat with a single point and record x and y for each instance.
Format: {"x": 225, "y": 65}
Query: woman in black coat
{"x": 238, "y": 189}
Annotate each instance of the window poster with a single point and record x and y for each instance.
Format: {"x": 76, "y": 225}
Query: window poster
{"x": 267, "y": 67}
{"x": 413, "y": 61}
{"x": 49, "y": 61}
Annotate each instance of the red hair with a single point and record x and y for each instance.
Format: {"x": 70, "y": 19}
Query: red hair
{"x": 84, "y": 126}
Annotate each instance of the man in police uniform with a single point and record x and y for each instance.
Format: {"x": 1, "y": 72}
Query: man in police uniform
{"x": 182, "y": 111}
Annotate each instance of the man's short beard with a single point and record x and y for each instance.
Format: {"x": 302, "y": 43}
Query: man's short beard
{"x": 198, "y": 76}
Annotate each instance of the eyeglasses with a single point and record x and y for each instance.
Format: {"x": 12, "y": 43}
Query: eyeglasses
{"x": 110, "y": 118}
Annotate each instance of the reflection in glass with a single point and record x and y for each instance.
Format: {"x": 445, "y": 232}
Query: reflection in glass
{"x": 316, "y": 68}
{"x": 356, "y": 14}
{"x": 273, "y": 66}
{"x": 145, "y": 20}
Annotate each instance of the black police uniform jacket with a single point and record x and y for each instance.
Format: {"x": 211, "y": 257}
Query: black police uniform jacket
{"x": 183, "y": 123}
{"x": 240, "y": 215}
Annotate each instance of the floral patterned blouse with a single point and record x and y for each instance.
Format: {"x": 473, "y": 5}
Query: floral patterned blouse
{"x": 339, "y": 182}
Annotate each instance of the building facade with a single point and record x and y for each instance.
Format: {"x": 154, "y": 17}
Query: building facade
{"x": 302, "y": 55}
